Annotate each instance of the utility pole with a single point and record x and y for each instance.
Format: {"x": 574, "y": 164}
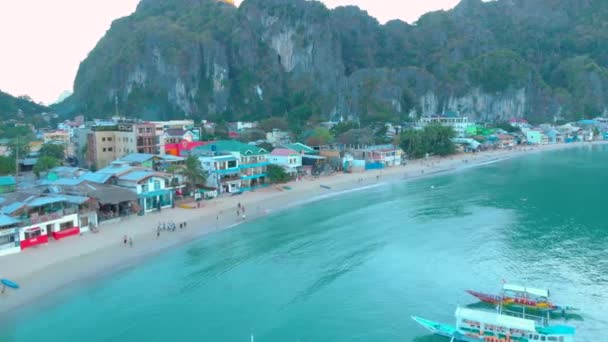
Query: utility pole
{"x": 16, "y": 160}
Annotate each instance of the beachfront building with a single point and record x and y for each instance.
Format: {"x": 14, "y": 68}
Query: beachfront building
{"x": 224, "y": 173}
{"x": 288, "y": 159}
{"x": 152, "y": 189}
{"x": 385, "y": 155}
{"x": 43, "y": 217}
{"x": 535, "y": 137}
{"x": 252, "y": 160}
{"x": 300, "y": 148}
{"x": 460, "y": 124}
{"x": 9, "y": 235}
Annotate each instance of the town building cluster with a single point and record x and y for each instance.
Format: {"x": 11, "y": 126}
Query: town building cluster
{"x": 118, "y": 167}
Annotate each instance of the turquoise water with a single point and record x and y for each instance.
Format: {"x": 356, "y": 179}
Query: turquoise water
{"x": 357, "y": 266}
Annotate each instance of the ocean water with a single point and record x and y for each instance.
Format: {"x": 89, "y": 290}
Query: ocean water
{"x": 356, "y": 267}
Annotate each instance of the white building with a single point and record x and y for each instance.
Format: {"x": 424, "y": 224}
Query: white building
{"x": 290, "y": 160}
{"x": 460, "y": 124}
{"x": 278, "y": 137}
{"x": 223, "y": 171}
{"x": 152, "y": 189}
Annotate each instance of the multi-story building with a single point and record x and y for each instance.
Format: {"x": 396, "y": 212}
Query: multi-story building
{"x": 223, "y": 171}
{"x": 60, "y": 137}
{"x": 101, "y": 146}
{"x": 290, "y": 160}
{"x": 152, "y": 189}
{"x": 460, "y": 124}
{"x": 252, "y": 161}
{"x": 147, "y": 139}
{"x": 29, "y": 220}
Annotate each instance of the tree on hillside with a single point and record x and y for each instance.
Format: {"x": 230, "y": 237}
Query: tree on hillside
{"x": 7, "y": 165}
{"x": 56, "y": 151}
{"x": 433, "y": 139}
{"x": 267, "y": 125}
{"x": 319, "y": 136}
{"x": 44, "y": 164}
{"x": 357, "y": 137}
{"x": 277, "y": 174}
{"x": 19, "y": 147}
{"x": 343, "y": 127}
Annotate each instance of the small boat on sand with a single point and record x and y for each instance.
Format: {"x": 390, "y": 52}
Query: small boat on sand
{"x": 481, "y": 326}
{"x": 520, "y": 297}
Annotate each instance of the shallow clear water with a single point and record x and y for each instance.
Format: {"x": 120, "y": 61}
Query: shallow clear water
{"x": 357, "y": 266}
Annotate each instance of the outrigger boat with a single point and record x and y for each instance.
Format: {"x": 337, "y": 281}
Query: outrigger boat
{"x": 482, "y": 326}
{"x": 520, "y": 297}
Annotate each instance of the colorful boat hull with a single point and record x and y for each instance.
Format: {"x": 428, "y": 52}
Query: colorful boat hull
{"x": 526, "y": 303}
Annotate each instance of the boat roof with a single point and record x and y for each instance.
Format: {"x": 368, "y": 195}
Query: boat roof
{"x": 496, "y": 319}
{"x": 530, "y": 290}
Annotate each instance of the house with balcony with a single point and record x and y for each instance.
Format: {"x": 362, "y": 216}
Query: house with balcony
{"x": 288, "y": 159}
{"x": 152, "y": 189}
{"x": 382, "y": 155}
{"x": 39, "y": 218}
{"x": 251, "y": 160}
{"x": 224, "y": 173}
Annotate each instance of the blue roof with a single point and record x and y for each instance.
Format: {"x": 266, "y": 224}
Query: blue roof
{"x": 137, "y": 157}
{"x": 63, "y": 181}
{"x": 137, "y": 175}
{"x": 115, "y": 169}
{"x": 40, "y": 201}
{"x": 11, "y": 208}
{"x": 65, "y": 169}
{"x": 7, "y": 220}
{"x": 73, "y": 199}
{"x": 7, "y": 180}
{"x": 99, "y": 178}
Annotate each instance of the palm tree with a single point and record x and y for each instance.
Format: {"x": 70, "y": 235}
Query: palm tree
{"x": 194, "y": 173}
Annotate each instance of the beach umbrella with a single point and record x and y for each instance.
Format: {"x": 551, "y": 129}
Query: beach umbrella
{"x": 7, "y": 283}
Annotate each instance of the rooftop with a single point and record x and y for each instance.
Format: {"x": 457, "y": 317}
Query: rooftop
{"x": 232, "y": 146}
{"x": 137, "y": 157}
{"x": 283, "y": 152}
{"x": 7, "y": 180}
{"x": 136, "y": 176}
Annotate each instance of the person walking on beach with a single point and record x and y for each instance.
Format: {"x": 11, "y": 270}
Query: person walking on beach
{"x": 130, "y": 241}
{"x": 125, "y": 240}
{"x": 157, "y": 233}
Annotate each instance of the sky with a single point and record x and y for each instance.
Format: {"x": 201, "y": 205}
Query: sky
{"x": 43, "y": 42}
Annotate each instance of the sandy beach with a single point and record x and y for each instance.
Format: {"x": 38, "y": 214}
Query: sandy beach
{"x": 43, "y": 269}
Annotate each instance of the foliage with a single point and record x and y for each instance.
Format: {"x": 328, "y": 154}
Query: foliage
{"x": 267, "y": 125}
{"x": 434, "y": 139}
{"x": 343, "y": 127}
{"x": 19, "y": 145}
{"x": 252, "y": 135}
{"x": 277, "y": 174}
{"x": 12, "y": 131}
{"x": 7, "y": 165}
{"x": 505, "y": 126}
{"x": 357, "y": 137}
{"x": 319, "y": 136}
{"x": 10, "y": 106}
{"x": 56, "y": 151}
{"x": 44, "y": 164}
{"x": 194, "y": 173}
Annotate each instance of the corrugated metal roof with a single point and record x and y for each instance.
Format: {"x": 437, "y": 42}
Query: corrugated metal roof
{"x": 7, "y": 220}
{"x": 137, "y": 157}
{"x": 496, "y": 319}
{"x": 11, "y": 208}
{"x": 7, "y": 180}
{"x": 136, "y": 176}
{"x": 100, "y": 178}
{"x": 283, "y": 152}
{"x": 40, "y": 201}
{"x": 74, "y": 199}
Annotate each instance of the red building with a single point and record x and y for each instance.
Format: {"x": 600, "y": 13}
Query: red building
{"x": 181, "y": 149}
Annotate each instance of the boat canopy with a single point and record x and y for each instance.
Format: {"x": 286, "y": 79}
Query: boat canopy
{"x": 508, "y": 322}
{"x": 529, "y": 290}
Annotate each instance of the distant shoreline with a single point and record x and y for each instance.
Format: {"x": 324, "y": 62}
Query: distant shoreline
{"x": 44, "y": 269}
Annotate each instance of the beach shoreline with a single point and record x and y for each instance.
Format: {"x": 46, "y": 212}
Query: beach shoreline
{"x": 65, "y": 263}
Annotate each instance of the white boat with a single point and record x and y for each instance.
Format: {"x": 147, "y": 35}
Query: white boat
{"x": 481, "y": 326}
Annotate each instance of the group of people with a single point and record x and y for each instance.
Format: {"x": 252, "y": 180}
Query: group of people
{"x": 169, "y": 226}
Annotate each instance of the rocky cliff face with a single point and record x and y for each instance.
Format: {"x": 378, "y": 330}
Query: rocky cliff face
{"x": 539, "y": 59}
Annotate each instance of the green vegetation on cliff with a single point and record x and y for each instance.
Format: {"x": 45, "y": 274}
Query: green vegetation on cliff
{"x": 299, "y": 60}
